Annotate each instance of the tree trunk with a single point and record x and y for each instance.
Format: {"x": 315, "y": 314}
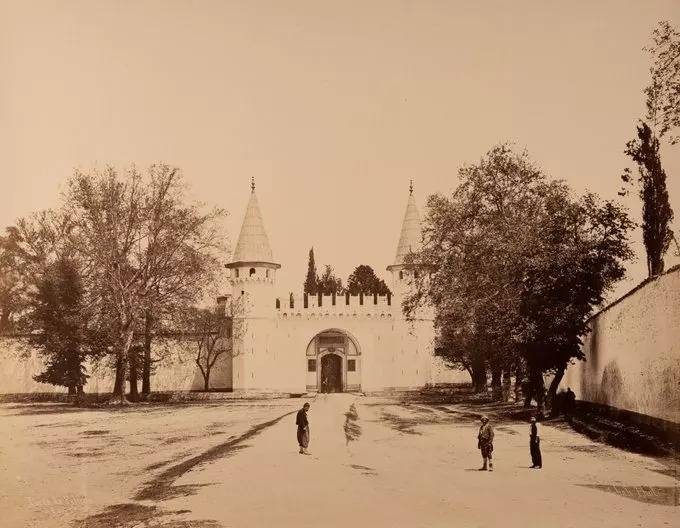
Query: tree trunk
{"x": 519, "y": 376}
{"x": 79, "y": 395}
{"x": 206, "y": 380}
{"x": 506, "y": 383}
{"x": 496, "y": 389}
{"x": 478, "y": 374}
{"x": 120, "y": 377}
{"x": 552, "y": 390}
{"x": 71, "y": 389}
{"x": 537, "y": 389}
{"x": 134, "y": 393}
{"x": 146, "y": 365}
{"x": 123, "y": 347}
{"x": 528, "y": 388}
{"x": 4, "y": 321}
{"x": 655, "y": 263}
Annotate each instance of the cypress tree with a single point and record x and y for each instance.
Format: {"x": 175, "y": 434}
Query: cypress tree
{"x": 311, "y": 281}
{"x": 656, "y": 209}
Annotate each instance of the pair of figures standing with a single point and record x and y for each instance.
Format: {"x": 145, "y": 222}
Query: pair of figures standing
{"x": 485, "y": 444}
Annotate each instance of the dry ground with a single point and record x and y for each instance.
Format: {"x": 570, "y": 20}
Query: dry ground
{"x": 375, "y": 462}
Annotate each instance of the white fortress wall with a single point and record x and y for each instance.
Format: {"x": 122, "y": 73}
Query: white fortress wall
{"x": 175, "y": 370}
{"x": 633, "y": 352}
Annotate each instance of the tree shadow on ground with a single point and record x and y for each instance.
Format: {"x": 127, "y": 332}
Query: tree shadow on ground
{"x": 131, "y": 515}
{"x": 470, "y": 405}
{"x": 507, "y": 430}
{"x": 184, "y": 490}
{"x": 668, "y": 471}
{"x": 659, "y": 495}
{"x": 402, "y": 424}
{"x": 161, "y": 487}
{"x": 424, "y": 414}
{"x": 41, "y": 408}
{"x": 173, "y": 460}
{"x": 30, "y": 409}
{"x": 365, "y": 470}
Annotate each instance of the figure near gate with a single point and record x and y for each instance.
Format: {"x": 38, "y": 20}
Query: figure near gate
{"x": 303, "y": 429}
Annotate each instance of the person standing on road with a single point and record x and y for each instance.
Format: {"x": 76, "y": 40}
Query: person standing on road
{"x": 303, "y": 429}
{"x": 535, "y": 445}
{"x": 485, "y": 443}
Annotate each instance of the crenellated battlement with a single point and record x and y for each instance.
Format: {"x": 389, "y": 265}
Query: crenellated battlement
{"x": 343, "y": 304}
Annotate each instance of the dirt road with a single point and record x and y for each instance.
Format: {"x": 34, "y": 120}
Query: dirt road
{"x": 375, "y": 462}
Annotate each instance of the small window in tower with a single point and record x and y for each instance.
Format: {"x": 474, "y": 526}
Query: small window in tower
{"x": 252, "y": 271}
{"x": 266, "y": 273}
{"x": 401, "y": 274}
{"x": 311, "y": 365}
{"x": 351, "y": 365}
{"x": 415, "y": 274}
{"x": 242, "y": 292}
{"x": 236, "y": 270}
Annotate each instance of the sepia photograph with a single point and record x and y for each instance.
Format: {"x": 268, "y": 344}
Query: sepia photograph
{"x": 339, "y": 263}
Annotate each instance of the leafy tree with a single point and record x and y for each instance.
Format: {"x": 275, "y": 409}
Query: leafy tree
{"x": 311, "y": 281}
{"x": 144, "y": 246}
{"x": 143, "y": 251}
{"x": 663, "y": 92}
{"x": 656, "y": 209}
{"x": 328, "y": 283}
{"x": 26, "y": 253}
{"x": 578, "y": 255}
{"x": 59, "y": 327}
{"x": 364, "y": 280}
{"x": 516, "y": 267}
{"x": 474, "y": 248}
{"x": 213, "y": 332}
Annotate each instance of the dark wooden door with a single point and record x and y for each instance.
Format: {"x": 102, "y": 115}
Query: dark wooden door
{"x": 331, "y": 373}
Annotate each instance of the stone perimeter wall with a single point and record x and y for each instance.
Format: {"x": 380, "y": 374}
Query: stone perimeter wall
{"x": 175, "y": 370}
{"x": 633, "y": 352}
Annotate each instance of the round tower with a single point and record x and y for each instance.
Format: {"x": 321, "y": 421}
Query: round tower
{"x": 409, "y": 241}
{"x": 252, "y": 276}
{"x": 416, "y": 334}
{"x": 252, "y": 269}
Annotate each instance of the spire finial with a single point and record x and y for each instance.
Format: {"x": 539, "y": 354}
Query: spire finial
{"x": 410, "y": 187}
{"x": 252, "y": 184}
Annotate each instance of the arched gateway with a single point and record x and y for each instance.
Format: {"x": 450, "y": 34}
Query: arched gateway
{"x": 333, "y": 358}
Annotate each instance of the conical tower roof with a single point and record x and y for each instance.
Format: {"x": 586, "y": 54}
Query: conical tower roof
{"x": 411, "y": 231}
{"x": 253, "y": 243}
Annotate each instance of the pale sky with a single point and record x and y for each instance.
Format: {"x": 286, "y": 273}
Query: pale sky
{"x": 331, "y": 106}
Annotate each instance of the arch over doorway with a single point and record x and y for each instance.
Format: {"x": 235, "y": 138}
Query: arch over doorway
{"x": 333, "y": 362}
